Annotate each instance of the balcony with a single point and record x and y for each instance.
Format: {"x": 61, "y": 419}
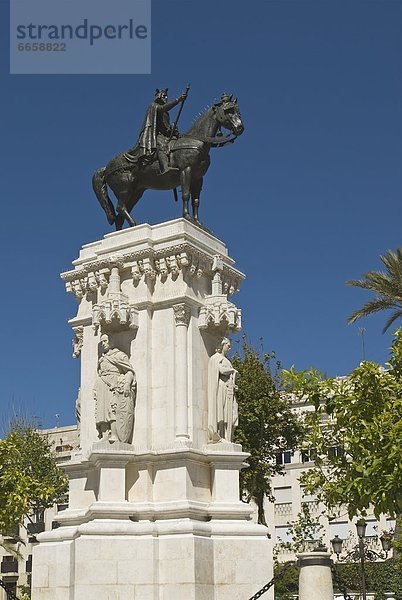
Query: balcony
{"x": 283, "y": 511}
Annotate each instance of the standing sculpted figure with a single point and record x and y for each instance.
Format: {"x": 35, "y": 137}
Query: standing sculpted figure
{"x": 222, "y": 405}
{"x": 115, "y": 393}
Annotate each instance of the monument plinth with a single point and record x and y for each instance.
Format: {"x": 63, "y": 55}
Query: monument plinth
{"x": 154, "y": 509}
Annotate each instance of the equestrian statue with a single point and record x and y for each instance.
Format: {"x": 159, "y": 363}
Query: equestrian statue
{"x": 164, "y": 159}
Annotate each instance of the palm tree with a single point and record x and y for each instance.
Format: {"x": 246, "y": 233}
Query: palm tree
{"x": 387, "y": 286}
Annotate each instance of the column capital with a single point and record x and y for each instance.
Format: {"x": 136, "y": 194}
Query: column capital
{"x": 182, "y": 314}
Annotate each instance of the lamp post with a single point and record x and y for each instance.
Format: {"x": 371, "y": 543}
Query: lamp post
{"x": 360, "y": 552}
{"x": 361, "y": 532}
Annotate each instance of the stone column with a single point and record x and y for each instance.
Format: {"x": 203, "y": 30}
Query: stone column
{"x": 182, "y": 315}
{"x": 315, "y": 579}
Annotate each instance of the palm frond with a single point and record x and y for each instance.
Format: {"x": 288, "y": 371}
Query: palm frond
{"x": 387, "y": 285}
{"x": 372, "y": 306}
{"x": 395, "y": 315}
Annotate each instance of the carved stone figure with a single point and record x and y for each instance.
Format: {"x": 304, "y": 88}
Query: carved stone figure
{"x": 222, "y": 404}
{"x": 130, "y": 173}
{"x": 115, "y": 393}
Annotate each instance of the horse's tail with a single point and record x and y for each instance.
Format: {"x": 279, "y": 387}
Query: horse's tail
{"x": 100, "y": 189}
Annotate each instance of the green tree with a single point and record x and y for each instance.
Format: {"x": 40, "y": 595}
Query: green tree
{"x": 387, "y": 287}
{"x": 30, "y": 480}
{"x": 305, "y": 533}
{"x": 267, "y": 424}
{"x": 356, "y": 429}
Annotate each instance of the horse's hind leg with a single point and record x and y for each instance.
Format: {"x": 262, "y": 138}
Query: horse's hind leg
{"x": 123, "y": 214}
{"x": 196, "y": 188}
{"x": 126, "y": 204}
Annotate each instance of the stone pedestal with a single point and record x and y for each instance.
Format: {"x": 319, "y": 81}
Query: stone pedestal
{"x": 315, "y": 579}
{"x": 158, "y": 517}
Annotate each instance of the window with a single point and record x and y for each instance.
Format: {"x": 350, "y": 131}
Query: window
{"x": 9, "y": 564}
{"x": 306, "y": 497}
{"x": 335, "y": 452}
{"x": 372, "y": 528}
{"x": 284, "y": 458}
{"x": 308, "y": 455}
{"x": 283, "y": 495}
{"x": 63, "y": 503}
{"x": 282, "y": 534}
{"x": 339, "y": 529}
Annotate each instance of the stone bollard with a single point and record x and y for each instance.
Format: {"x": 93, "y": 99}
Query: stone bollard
{"x": 315, "y": 579}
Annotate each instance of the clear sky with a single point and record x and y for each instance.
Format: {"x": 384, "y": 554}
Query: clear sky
{"x": 307, "y": 198}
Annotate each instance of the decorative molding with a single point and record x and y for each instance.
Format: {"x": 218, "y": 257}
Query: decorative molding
{"x": 114, "y": 310}
{"x": 148, "y": 264}
{"x": 218, "y": 311}
{"x": 115, "y": 306}
{"x": 182, "y": 314}
{"x": 78, "y": 340}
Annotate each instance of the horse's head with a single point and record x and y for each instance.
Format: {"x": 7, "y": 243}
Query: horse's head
{"x": 228, "y": 115}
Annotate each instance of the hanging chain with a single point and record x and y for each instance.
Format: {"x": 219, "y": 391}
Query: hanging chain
{"x": 10, "y": 594}
{"x": 340, "y": 583}
{"x": 268, "y": 585}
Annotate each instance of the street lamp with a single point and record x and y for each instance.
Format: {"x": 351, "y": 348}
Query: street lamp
{"x": 386, "y": 543}
{"x": 337, "y": 545}
{"x": 361, "y": 532}
{"x": 360, "y": 553}
{"x": 361, "y": 528}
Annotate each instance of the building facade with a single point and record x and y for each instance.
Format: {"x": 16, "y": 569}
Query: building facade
{"x": 16, "y": 548}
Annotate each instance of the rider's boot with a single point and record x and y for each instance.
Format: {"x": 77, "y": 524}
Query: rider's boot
{"x": 164, "y": 162}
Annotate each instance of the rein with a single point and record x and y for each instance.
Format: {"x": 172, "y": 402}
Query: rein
{"x": 219, "y": 140}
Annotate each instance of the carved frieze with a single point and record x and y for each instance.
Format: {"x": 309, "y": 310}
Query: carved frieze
{"x": 115, "y": 307}
{"x": 182, "y": 314}
{"x": 218, "y": 311}
{"x": 149, "y": 264}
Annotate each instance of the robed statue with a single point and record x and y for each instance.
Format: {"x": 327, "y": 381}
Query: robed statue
{"x": 115, "y": 393}
{"x": 165, "y": 159}
{"x": 222, "y": 405}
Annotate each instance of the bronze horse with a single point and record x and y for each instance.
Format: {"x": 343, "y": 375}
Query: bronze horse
{"x": 129, "y": 177}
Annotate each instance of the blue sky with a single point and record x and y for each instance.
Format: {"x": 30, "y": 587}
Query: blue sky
{"x": 307, "y": 198}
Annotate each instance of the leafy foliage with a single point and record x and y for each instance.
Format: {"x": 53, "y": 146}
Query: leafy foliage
{"x": 286, "y": 580}
{"x": 306, "y": 534}
{"x": 387, "y": 286}
{"x": 267, "y": 424}
{"x": 356, "y": 429}
{"x": 30, "y": 480}
{"x": 382, "y": 578}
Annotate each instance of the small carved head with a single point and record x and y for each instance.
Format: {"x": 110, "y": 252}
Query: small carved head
{"x": 105, "y": 341}
{"x": 161, "y": 96}
{"x": 226, "y": 97}
{"x": 225, "y": 346}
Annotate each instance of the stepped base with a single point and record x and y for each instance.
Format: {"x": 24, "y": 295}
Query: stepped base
{"x": 186, "y": 559}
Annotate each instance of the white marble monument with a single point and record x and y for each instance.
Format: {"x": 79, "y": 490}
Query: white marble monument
{"x": 154, "y": 510}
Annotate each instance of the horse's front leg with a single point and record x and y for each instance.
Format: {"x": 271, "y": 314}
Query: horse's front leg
{"x": 185, "y": 181}
{"x": 196, "y": 188}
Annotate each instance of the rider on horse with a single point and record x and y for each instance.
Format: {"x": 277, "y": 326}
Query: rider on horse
{"x": 156, "y": 131}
